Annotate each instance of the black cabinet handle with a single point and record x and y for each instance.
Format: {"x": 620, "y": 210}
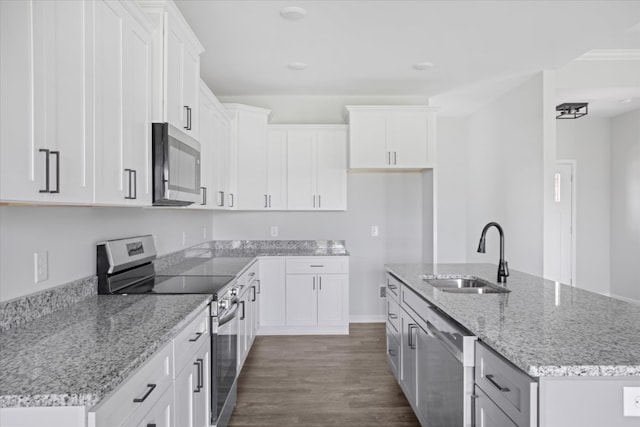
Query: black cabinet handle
{"x": 130, "y": 179}
{"x": 232, "y": 200}
{"x": 221, "y": 203}
{"x": 266, "y": 203}
{"x": 393, "y": 316}
{"x": 320, "y": 282}
{"x": 196, "y": 338}
{"x": 46, "y": 170}
{"x": 151, "y": 425}
{"x": 135, "y": 184}
{"x": 204, "y": 195}
{"x": 57, "y": 154}
{"x": 392, "y": 287}
{"x": 254, "y": 293}
{"x": 314, "y": 200}
{"x": 389, "y": 157}
{"x": 392, "y": 353}
{"x": 188, "y": 126}
{"x": 412, "y": 326}
{"x": 199, "y": 364}
{"x": 490, "y": 378}
{"x": 143, "y": 398}
{"x": 242, "y": 317}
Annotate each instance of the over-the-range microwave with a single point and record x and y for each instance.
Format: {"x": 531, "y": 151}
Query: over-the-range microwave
{"x": 176, "y": 166}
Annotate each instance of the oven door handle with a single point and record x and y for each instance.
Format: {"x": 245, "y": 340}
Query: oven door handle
{"x": 230, "y": 314}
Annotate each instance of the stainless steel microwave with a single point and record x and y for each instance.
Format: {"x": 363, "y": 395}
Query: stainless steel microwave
{"x": 176, "y": 166}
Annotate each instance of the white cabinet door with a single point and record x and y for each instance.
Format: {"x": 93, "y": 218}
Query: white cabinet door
{"x": 277, "y": 172}
{"x": 202, "y": 398}
{"x": 191, "y": 84}
{"x": 174, "y": 103}
{"x": 122, "y": 108}
{"x": 252, "y": 159}
{"x": 331, "y": 169}
{"x": 407, "y": 139}
{"x": 301, "y": 171}
{"x": 243, "y": 329}
{"x": 184, "y": 386}
{"x": 22, "y": 166}
{"x": 231, "y": 201}
{"x": 208, "y": 150}
{"x": 137, "y": 111}
{"x": 367, "y": 141}
{"x": 302, "y": 300}
{"x": 408, "y": 365}
{"x": 333, "y": 299}
{"x": 161, "y": 414}
{"x": 271, "y": 292}
{"x": 46, "y": 129}
{"x": 223, "y": 162}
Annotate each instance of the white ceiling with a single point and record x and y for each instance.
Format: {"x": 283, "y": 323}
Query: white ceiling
{"x": 478, "y": 48}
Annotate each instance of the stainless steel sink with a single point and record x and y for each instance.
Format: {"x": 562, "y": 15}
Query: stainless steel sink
{"x": 468, "y": 285}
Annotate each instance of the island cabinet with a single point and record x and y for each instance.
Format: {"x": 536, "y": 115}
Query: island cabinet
{"x": 391, "y": 137}
{"x": 316, "y": 165}
{"x": 214, "y": 158}
{"x": 259, "y": 162}
{"x": 176, "y": 67}
{"x": 46, "y": 78}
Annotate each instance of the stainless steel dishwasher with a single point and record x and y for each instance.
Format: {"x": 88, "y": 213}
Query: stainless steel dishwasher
{"x": 448, "y": 364}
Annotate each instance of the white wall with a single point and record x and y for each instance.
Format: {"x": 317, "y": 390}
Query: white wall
{"x": 587, "y": 141}
{"x": 392, "y": 202}
{"x": 451, "y": 191}
{"x": 70, "y": 235}
{"x": 505, "y": 177}
{"x": 625, "y": 205}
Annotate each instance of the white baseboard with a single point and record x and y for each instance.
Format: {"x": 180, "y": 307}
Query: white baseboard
{"x": 367, "y": 318}
{"x": 631, "y": 300}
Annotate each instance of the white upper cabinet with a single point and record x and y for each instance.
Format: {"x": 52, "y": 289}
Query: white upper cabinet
{"x": 123, "y": 48}
{"x": 316, "y": 166}
{"x": 260, "y": 160}
{"x": 176, "y": 67}
{"x": 391, "y": 137}
{"x": 45, "y": 137}
{"x": 214, "y": 140}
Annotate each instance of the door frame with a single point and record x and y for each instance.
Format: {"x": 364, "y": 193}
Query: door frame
{"x": 574, "y": 206}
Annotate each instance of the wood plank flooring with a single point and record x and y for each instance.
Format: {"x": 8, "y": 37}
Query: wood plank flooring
{"x": 315, "y": 381}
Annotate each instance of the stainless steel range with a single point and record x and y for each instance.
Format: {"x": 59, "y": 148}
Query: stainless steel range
{"x": 125, "y": 266}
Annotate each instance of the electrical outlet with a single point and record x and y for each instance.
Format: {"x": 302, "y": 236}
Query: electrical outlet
{"x": 274, "y": 231}
{"x": 631, "y": 401}
{"x": 41, "y": 266}
{"x": 184, "y": 239}
{"x": 374, "y": 231}
{"x": 382, "y": 292}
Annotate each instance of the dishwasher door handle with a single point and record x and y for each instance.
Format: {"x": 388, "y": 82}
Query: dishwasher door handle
{"x": 446, "y": 343}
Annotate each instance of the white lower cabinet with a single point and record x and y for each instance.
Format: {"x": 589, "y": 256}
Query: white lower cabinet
{"x": 272, "y": 294}
{"x": 161, "y": 414}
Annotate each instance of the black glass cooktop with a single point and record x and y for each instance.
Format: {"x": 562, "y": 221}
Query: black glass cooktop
{"x": 180, "y": 285}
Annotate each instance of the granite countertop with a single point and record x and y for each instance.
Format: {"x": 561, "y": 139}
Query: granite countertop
{"x": 76, "y": 356}
{"x": 544, "y": 328}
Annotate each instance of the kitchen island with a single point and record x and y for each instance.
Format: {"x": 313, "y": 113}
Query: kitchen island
{"x": 582, "y": 348}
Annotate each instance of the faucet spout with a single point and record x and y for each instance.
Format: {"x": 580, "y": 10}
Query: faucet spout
{"x": 503, "y": 268}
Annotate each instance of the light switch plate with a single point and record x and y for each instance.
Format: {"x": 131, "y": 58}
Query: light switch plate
{"x": 41, "y": 266}
{"x": 631, "y": 401}
{"x": 374, "y": 231}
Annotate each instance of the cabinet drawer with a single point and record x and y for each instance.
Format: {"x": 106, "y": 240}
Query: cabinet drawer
{"x": 317, "y": 265}
{"x": 393, "y": 287}
{"x": 146, "y": 386}
{"x": 393, "y": 352}
{"x": 509, "y": 387}
{"x": 412, "y": 302}
{"x": 393, "y": 314}
{"x": 188, "y": 341}
{"x": 488, "y": 414}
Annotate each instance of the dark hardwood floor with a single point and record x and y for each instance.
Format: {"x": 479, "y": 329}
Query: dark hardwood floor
{"x": 321, "y": 381}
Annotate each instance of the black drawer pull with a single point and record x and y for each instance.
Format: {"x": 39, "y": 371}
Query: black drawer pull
{"x": 151, "y": 425}
{"x": 393, "y": 316}
{"x": 496, "y": 385}
{"x": 197, "y": 337}
{"x": 392, "y": 287}
{"x": 143, "y": 398}
{"x": 392, "y": 353}
{"x": 320, "y": 266}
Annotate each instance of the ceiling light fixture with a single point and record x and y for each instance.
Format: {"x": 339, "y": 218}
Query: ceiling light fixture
{"x": 293, "y": 13}
{"x": 297, "y": 65}
{"x": 423, "y": 65}
{"x": 572, "y": 110}
{"x": 626, "y": 101}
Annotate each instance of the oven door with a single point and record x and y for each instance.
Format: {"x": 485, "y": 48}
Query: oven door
{"x": 226, "y": 361}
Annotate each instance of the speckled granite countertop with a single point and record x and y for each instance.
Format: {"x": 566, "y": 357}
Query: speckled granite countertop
{"x": 76, "y": 356}
{"x": 543, "y": 328}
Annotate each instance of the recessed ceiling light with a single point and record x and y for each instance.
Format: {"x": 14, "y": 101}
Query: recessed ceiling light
{"x": 297, "y": 65}
{"x": 293, "y": 13}
{"x": 423, "y": 65}
{"x": 626, "y": 101}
